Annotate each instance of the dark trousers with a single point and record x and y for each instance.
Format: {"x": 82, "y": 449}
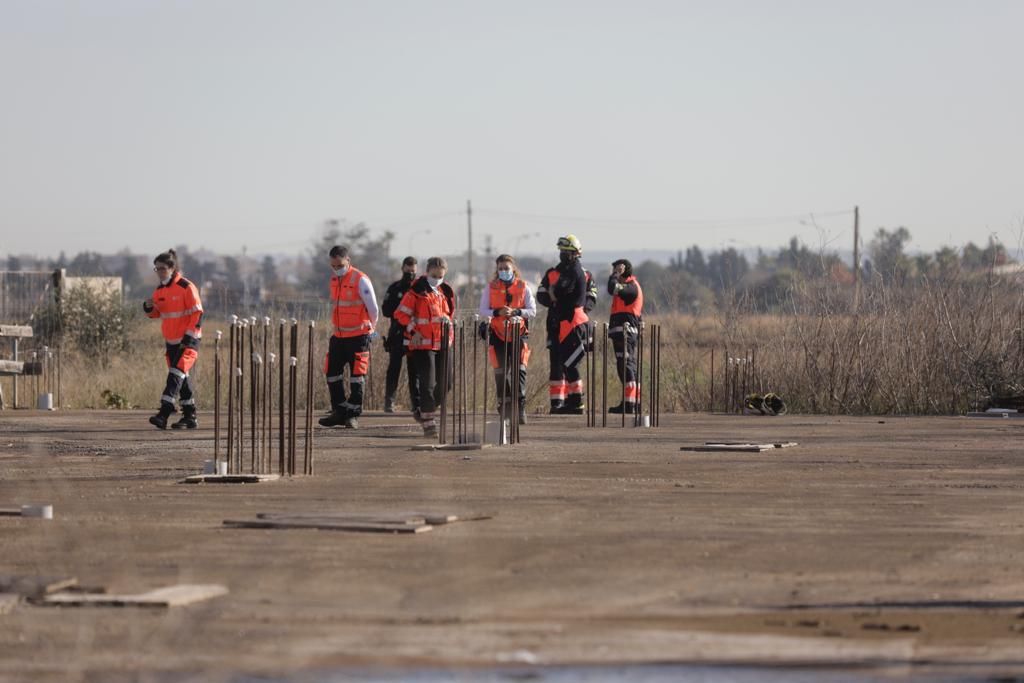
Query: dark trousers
{"x": 505, "y": 355}
{"x": 627, "y": 366}
{"x": 566, "y": 383}
{"x": 426, "y": 372}
{"x": 179, "y": 383}
{"x": 355, "y": 353}
{"x": 396, "y": 354}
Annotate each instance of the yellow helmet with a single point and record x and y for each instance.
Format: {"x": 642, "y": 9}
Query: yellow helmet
{"x": 570, "y": 243}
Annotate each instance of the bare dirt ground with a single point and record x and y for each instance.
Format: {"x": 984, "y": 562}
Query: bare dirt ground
{"x": 894, "y": 544}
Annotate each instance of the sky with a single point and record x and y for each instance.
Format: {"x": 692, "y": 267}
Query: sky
{"x": 246, "y": 124}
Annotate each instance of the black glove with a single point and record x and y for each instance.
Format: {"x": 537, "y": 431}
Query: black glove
{"x": 147, "y": 306}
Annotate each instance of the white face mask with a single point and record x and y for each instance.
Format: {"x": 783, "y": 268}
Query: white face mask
{"x": 435, "y": 282}
{"x": 166, "y": 280}
{"x": 340, "y": 272}
{"x": 506, "y": 275}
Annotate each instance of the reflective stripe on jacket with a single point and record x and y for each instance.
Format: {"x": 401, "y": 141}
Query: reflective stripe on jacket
{"x": 179, "y": 309}
{"x": 423, "y": 312}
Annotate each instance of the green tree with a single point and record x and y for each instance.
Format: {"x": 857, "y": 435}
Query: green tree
{"x": 887, "y": 255}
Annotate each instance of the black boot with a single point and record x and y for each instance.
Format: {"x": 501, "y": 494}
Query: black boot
{"x": 557, "y": 405}
{"x": 188, "y": 420}
{"x": 522, "y": 414}
{"x": 338, "y": 417}
{"x": 573, "y": 405}
{"x": 160, "y": 419}
{"x": 389, "y": 404}
{"x": 617, "y": 410}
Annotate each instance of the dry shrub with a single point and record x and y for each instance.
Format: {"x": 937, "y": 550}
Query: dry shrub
{"x": 932, "y": 348}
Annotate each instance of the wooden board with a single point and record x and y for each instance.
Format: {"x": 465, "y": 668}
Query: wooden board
{"x": 229, "y": 478}
{"x": 170, "y": 596}
{"x": 326, "y": 525}
{"x": 15, "y": 331}
{"x": 10, "y": 512}
{"x": 775, "y": 444}
{"x": 450, "y": 447}
{"x": 361, "y": 518}
{"x": 32, "y": 586}
{"x": 414, "y": 518}
{"x": 736, "y": 448}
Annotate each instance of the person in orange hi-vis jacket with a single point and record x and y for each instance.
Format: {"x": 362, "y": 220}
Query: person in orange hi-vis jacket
{"x": 509, "y": 303}
{"x": 624, "y": 330}
{"x": 354, "y": 316}
{"x": 176, "y": 304}
{"x": 423, "y": 312}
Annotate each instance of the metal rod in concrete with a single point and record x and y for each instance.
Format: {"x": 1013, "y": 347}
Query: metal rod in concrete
{"x": 216, "y": 398}
{"x": 232, "y": 331}
{"x": 307, "y": 461}
{"x": 281, "y": 424}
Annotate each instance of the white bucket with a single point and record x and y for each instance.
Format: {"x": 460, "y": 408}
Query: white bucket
{"x": 44, "y": 402}
{"x": 645, "y": 421}
{"x": 222, "y": 467}
{"x": 496, "y": 432}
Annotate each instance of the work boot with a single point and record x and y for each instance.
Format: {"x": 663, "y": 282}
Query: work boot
{"x": 351, "y": 422}
{"x": 160, "y": 419}
{"x": 389, "y": 404}
{"x": 187, "y": 421}
{"x": 417, "y": 416}
{"x": 337, "y": 418}
{"x": 573, "y": 405}
{"x": 430, "y": 430}
{"x": 556, "y": 406}
{"x": 617, "y": 410}
{"x": 522, "y": 415}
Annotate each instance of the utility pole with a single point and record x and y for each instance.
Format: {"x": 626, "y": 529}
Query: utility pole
{"x": 856, "y": 257}
{"x": 469, "y": 251}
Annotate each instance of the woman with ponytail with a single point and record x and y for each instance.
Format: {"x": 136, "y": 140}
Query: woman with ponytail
{"x": 176, "y": 303}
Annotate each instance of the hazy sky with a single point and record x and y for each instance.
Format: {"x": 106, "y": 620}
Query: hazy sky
{"x": 651, "y": 124}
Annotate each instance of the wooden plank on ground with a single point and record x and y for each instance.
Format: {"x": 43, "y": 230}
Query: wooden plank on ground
{"x": 449, "y": 446}
{"x": 735, "y": 448}
{"x": 774, "y": 444}
{"x": 327, "y": 525}
{"x": 15, "y": 331}
{"x": 362, "y": 518}
{"x": 229, "y": 478}
{"x": 10, "y": 511}
{"x": 30, "y": 586}
{"x": 169, "y": 596}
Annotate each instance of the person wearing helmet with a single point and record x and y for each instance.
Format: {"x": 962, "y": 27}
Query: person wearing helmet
{"x": 564, "y": 290}
{"x": 624, "y": 330}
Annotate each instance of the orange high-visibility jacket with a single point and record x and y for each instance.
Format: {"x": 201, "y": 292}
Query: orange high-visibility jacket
{"x": 636, "y": 308}
{"x": 179, "y": 309}
{"x": 512, "y": 295}
{"x": 423, "y": 312}
{"x": 350, "y": 317}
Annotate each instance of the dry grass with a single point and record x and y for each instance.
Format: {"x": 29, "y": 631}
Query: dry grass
{"x": 935, "y": 348}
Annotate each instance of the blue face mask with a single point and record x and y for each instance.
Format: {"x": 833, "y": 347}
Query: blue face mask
{"x": 435, "y": 282}
{"x": 340, "y": 272}
{"x": 506, "y": 275}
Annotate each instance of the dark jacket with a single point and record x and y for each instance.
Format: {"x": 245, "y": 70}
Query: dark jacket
{"x": 544, "y": 294}
{"x": 393, "y": 297}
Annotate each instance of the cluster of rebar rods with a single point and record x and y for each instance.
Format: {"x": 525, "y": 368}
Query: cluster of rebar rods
{"x": 250, "y": 358}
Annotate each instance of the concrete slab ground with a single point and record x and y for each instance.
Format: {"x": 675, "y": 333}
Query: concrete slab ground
{"x": 882, "y": 545}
